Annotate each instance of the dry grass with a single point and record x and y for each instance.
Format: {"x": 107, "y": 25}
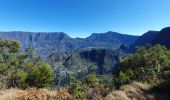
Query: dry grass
{"x": 34, "y": 94}
{"x": 134, "y": 91}
{"x": 140, "y": 91}
{"x": 117, "y": 95}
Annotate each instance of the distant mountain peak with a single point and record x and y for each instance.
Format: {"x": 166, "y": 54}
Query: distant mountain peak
{"x": 166, "y": 29}
{"x": 47, "y": 42}
{"x": 151, "y": 31}
{"x": 154, "y": 37}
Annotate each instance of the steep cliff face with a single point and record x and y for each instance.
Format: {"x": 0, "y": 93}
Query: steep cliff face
{"x": 81, "y": 62}
{"x": 24, "y": 38}
{"x": 102, "y": 60}
{"x": 46, "y": 43}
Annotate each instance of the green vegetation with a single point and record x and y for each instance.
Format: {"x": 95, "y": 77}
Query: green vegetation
{"x": 41, "y": 76}
{"x": 124, "y": 77}
{"x": 78, "y": 89}
{"x": 27, "y": 70}
{"x": 90, "y": 88}
{"x": 22, "y": 70}
{"x": 91, "y": 79}
{"x": 148, "y": 64}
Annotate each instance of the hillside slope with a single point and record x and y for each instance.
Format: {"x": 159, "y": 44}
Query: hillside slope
{"x": 81, "y": 62}
{"x": 138, "y": 91}
{"x": 46, "y": 43}
{"x": 163, "y": 37}
{"x": 153, "y": 37}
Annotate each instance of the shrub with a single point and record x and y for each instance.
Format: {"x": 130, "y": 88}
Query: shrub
{"x": 147, "y": 64}
{"x": 40, "y": 76}
{"x": 22, "y": 70}
{"x": 91, "y": 79}
{"x": 78, "y": 89}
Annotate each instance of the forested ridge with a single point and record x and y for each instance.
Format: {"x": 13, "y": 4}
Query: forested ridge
{"x": 24, "y": 70}
{"x": 90, "y": 73}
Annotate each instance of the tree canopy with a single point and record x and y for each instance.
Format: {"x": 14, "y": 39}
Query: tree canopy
{"x": 147, "y": 63}
{"x": 18, "y": 69}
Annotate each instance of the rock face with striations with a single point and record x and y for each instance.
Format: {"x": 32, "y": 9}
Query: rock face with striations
{"x": 45, "y": 43}
{"x": 81, "y": 62}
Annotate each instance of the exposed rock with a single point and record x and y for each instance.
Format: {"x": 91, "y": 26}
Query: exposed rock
{"x": 46, "y": 43}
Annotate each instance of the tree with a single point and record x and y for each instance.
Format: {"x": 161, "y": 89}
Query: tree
{"x": 78, "y": 89}
{"x": 124, "y": 77}
{"x": 38, "y": 73}
{"x": 42, "y": 76}
{"x": 45, "y": 75}
{"x": 147, "y": 63}
{"x": 91, "y": 79}
{"x": 22, "y": 79}
{"x": 8, "y": 62}
{"x": 22, "y": 70}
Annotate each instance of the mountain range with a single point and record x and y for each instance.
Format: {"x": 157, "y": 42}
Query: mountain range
{"x": 153, "y": 37}
{"x": 100, "y": 52}
{"x": 45, "y": 43}
{"x": 56, "y": 42}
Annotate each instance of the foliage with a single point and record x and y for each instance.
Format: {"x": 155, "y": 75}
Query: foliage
{"x": 91, "y": 79}
{"x": 106, "y": 81}
{"x": 22, "y": 69}
{"x": 8, "y": 62}
{"x": 41, "y": 76}
{"x": 78, "y": 89}
{"x": 90, "y": 88}
{"x": 124, "y": 77}
{"x": 147, "y": 64}
{"x": 38, "y": 74}
{"x": 151, "y": 81}
{"x": 21, "y": 79}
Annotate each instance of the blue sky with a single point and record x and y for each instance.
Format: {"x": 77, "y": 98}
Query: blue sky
{"x": 80, "y": 18}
